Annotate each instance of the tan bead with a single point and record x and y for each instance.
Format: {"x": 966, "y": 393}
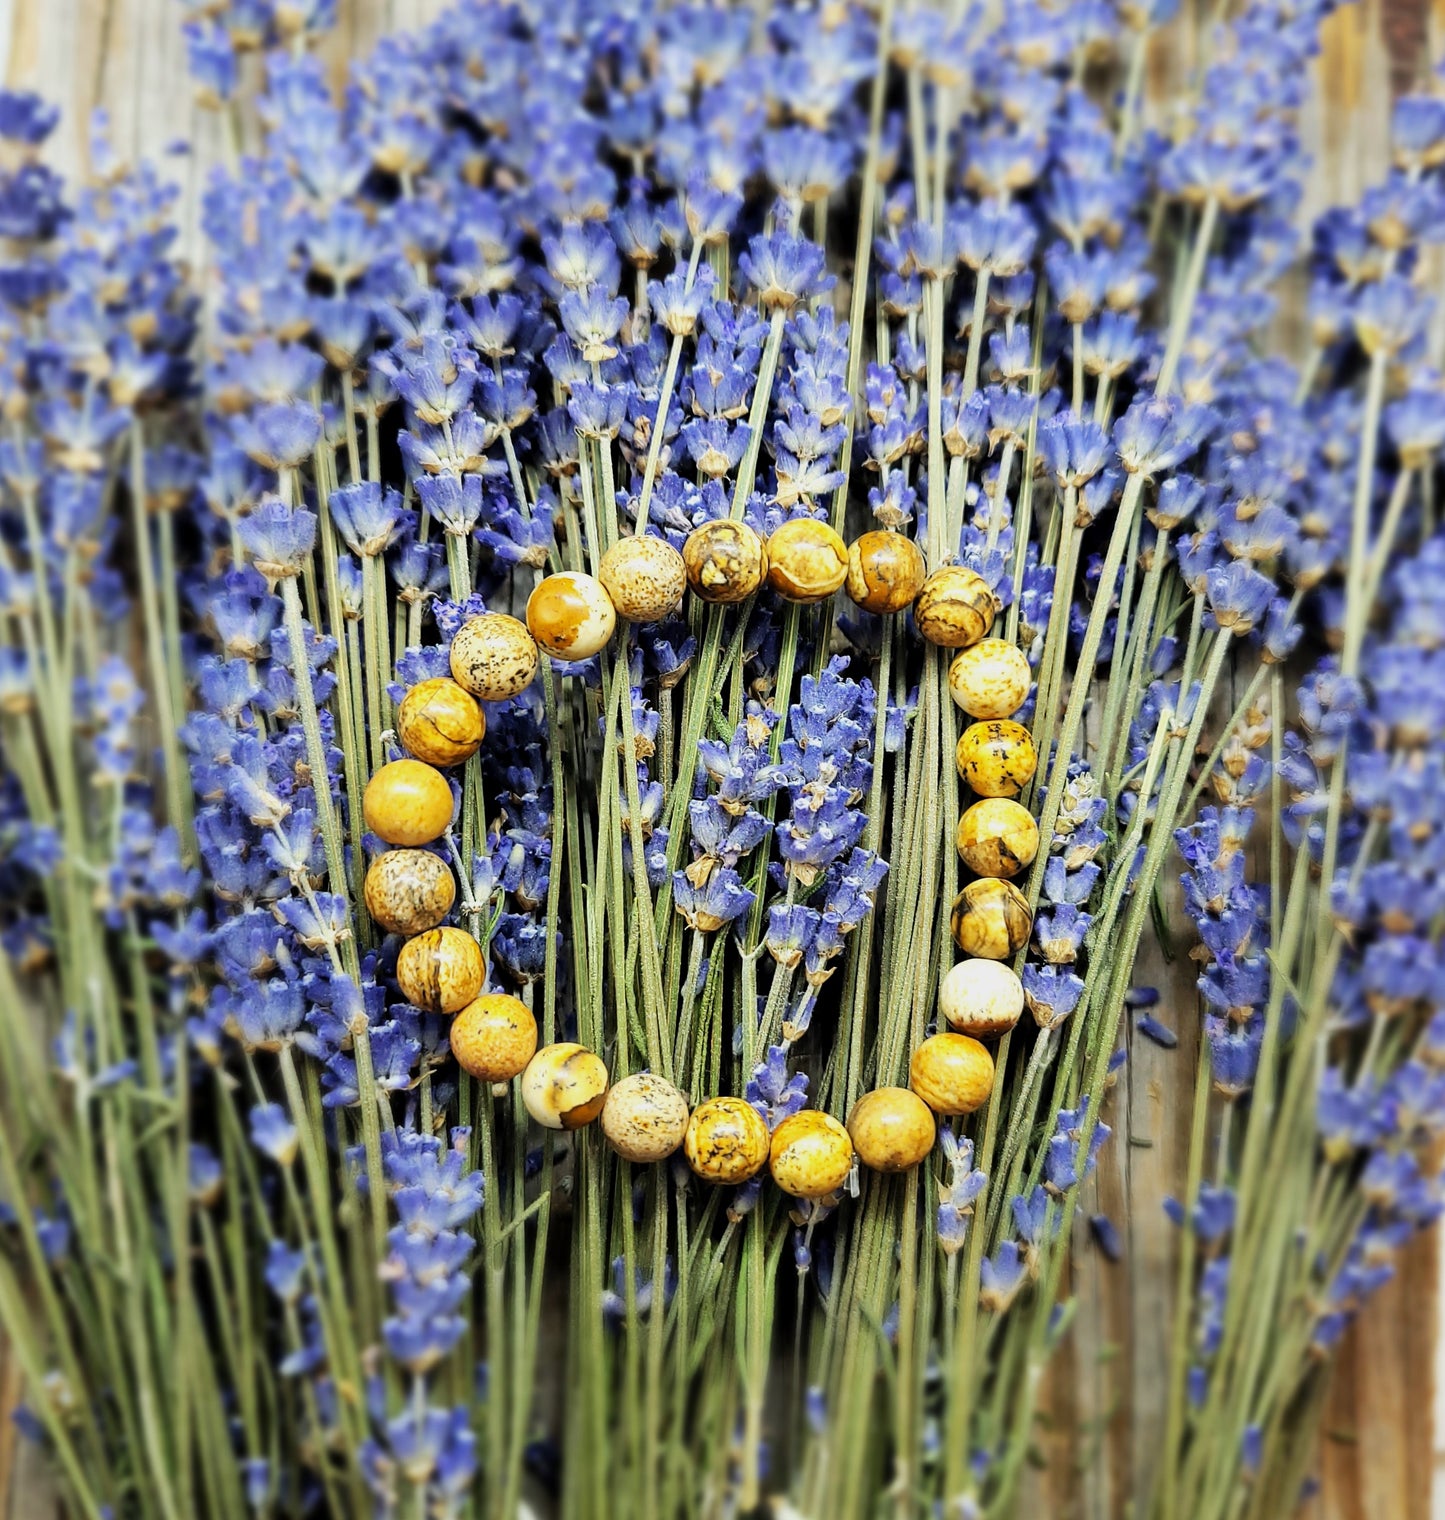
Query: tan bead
{"x": 440, "y": 970}
{"x": 991, "y": 919}
{"x": 407, "y": 802}
{"x": 645, "y": 577}
{"x": 726, "y": 561}
{"x": 726, "y": 1141}
{"x": 997, "y": 837}
{"x": 952, "y": 1073}
{"x": 494, "y": 657}
{"x": 407, "y": 891}
{"x": 892, "y": 1129}
{"x": 571, "y": 615}
{"x": 564, "y": 1086}
{"x": 807, "y": 561}
{"x": 886, "y": 571}
{"x": 980, "y": 997}
{"x": 991, "y": 679}
{"x": 494, "y": 1037}
{"x": 996, "y": 758}
{"x": 644, "y": 1118}
{"x": 440, "y": 722}
{"x": 955, "y": 607}
{"x": 811, "y": 1154}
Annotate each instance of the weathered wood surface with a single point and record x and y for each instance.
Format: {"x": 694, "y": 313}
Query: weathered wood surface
{"x": 1384, "y": 1442}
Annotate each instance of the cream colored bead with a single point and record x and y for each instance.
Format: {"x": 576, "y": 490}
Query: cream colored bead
{"x": 980, "y": 997}
{"x": 493, "y": 656}
{"x": 644, "y": 1118}
{"x": 645, "y": 577}
{"x": 564, "y": 1086}
{"x": 991, "y": 679}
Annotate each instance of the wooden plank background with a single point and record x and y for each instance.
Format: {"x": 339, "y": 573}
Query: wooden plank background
{"x": 1384, "y": 1442}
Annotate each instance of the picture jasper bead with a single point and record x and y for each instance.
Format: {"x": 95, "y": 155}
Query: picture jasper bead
{"x": 407, "y": 891}
{"x": 892, "y": 1129}
{"x": 644, "y": 1118}
{"x": 440, "y": 722}
{"x": 440, "y": 970}
{"x": 886, "y": 571}
{"x": 726, "y": 561}
{"x": 991, "y": 919}
{"x": 407, "y": 803}
{"x": 494, "y": 1037}
{"x": 952, "y": 1073}
{"x": 997, "y": 837}
{"x": 955, "y": 607}
{"x": 571, "y": 615}
{"x": 564, "y": 1086}
{"x": 980, "y": 997}
{"x": 996, "y": 758}
{"x": 991, "y": 679}
{"x": 811, "y": 1154}
{"x": 726, "y": 1141}
{"x": 494, "y": 657}
{"x": 807, "y": 561}
{"x": 645, "y": 577}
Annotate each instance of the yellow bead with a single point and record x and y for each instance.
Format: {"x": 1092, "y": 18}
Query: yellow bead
{"x": 892, "y": 1129}
{"x": 991, "y": 919}
{"x": 407, "y": 891}
{"x": 564, "y": 1086}
{"x": 997, "y": 837}
{"x": 726, "y": 561}
{"x": 407, "y": 803}
{"x": 807, "y": 561}
{"x": 645, "y": 577}
{"x": 886, "y": 571}
{"x": 811, "y": 1154}
{"x": 440, "y": 723}
{"x": 952, "y": 1073}
{"x": 494, "y": 1037}
{"x": 494, "y": 657}
{"x": 955, "y": 607}
{"x": 644, "y": 1118}
{"x": 991, "y": 679}
{"x": 980, "y": 997}
{"x": 726, "y": 1141}
{"x": 571, "y": 615}
{"x": 997, "y": 758}
{"x": 440, "y": 970}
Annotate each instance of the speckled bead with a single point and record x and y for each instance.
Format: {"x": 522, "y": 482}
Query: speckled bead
{"x": 726, "y": 561}
{"x": 955, "y": 607}
{"x": 571, "y": 615}
{"x": 407, "y": 803}
{"x": 996, "y": 758}
{"x": 991, "y": 679}
{"x": 494, "y": 1037}
{"x": 892, "y": 1129}
{"x": 644, "y": 1118}
{"x": 980, "y": 997}
{"x": 991, "y": 919}
{"x": 726, "y": 1141}
{"x": 440, "y": 970}
{"x": 952, "y": 1073}
{"x": 886, "y": 571}
{"x": 564, "y": 1086}
{"x": 494, "y": 657}
{"x": 807, "y": 561}
{"x": 407, "y": 891}
{"x": 440, "y": 722}
{"x": 811, "y": 1154}
{"x": 997, "y": 837}
{"x": 645, "y": 577}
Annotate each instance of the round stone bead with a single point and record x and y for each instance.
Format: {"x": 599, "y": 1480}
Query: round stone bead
{"x": 991, "y": 919}
{"x": 494, "y": 1037}
{"x": 440, "y": 970}
{"x": 571, "y": 615}
{"x": 726, "y": 1141}
{"x": 564, "y": 1086}
{"x": 644, "y": 1118}
{"x": 726, "y": 561}
{"x": 996, "y": 758}
{"x": 892, "y": 1129}
{"x": 407, "y": 803}
{"x": 952, "y": 1073}
{"x": 980, "y": 998}
{"x": 955, "y": 607}
{"x": 494, "y": 657}
{"x": 811, "y": 1154}
{"x": 439, "y": 722}
{"x": 407, "y": 891}
{"x": 886, "y": 571}
{"x": 807, "y": 561}
{"x": 645, "y": 577}
{"x": 997, "y": 837}
{"x": 991, "y": 679}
